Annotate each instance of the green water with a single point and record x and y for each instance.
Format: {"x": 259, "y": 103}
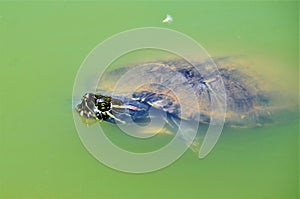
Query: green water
{"x": 41, "y": 48}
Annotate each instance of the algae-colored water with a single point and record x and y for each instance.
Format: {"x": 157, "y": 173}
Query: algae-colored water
{"x": 42, "y": 46}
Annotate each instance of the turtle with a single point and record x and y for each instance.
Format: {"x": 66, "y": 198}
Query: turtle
{"x": 247, "y": 103}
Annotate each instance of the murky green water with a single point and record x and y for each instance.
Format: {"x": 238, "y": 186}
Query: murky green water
{"x": 42, "y": 46}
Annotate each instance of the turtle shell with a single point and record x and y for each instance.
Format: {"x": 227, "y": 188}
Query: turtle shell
{"x": 247, "y": 104}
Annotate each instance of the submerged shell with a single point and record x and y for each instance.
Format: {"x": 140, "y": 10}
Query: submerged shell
{"x": 247, "y": 104}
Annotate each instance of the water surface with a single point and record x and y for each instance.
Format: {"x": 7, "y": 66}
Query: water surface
{"x": 42, "y": 46}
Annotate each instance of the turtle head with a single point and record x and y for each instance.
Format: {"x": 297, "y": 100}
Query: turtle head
{"x": 97, "y": 107}
{"x": 94, "y": 107}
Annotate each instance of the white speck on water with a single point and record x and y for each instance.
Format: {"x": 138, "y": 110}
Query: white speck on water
{"x": 168, "y": 19}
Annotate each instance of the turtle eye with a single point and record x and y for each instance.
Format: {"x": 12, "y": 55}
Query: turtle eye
{"x": 103, "y": 106}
